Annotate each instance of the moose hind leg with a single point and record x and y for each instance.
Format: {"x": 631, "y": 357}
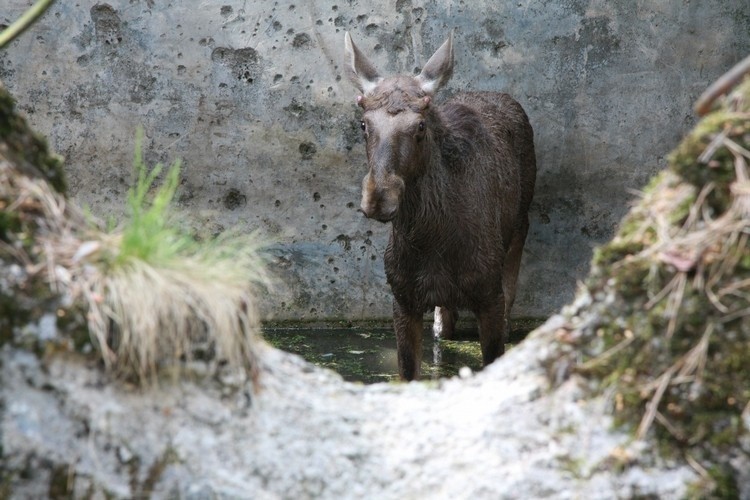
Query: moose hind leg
{"x": 408, "y": 328}
{"x": 492, "y": 334}
{"x": 444, "y": 326}
{"x": 511, "y": 268}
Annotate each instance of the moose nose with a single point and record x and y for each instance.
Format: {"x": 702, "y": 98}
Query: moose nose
{"x": 380, "y": 200}
{"x": 377, "y": 214}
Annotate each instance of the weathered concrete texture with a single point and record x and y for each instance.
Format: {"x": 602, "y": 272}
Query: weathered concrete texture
{"x": 308, "y": 434}
{"x": 251, "y": 96}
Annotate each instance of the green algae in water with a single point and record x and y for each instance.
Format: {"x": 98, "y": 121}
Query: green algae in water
{"x": 368, "y": 355}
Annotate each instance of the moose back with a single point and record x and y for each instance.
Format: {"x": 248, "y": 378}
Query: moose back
{"x": 455, "y": 181}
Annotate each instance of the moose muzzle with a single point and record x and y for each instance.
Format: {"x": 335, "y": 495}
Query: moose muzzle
{"x": 381, "y": 196}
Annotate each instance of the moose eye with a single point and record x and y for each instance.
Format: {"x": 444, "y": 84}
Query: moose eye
{"x": 363, "y": 125}
{"x": 421, "y": 126}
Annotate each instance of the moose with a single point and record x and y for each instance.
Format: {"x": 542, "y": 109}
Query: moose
{"x": 455, "y": 181}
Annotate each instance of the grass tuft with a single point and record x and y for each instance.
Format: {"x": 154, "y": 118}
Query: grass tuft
{"x": 155, "y": 298}
{"x": 161, "y": 296}
{"x": 147, "y": 236}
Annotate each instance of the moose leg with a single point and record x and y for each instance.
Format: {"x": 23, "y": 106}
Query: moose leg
{"x": 408, "y": 328}
{"x": 444, "y": 325}
{"x": 511, "y": 268}
{"x": 492, "y": 330}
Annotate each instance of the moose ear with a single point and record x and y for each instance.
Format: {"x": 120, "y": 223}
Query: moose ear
{"x": 360, "y": 70}
{"x": 438, "y": 69}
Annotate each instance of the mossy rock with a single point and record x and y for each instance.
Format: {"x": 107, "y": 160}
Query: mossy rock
{"x": 673, "y": 338}
{"x": 23, "y": 152}
{"x": 26, "y": 149}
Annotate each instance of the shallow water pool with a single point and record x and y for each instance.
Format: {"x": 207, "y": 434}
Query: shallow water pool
{"x": 368, "y": 355}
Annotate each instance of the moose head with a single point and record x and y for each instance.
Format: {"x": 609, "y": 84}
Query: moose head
{"x": 396, "y": 124}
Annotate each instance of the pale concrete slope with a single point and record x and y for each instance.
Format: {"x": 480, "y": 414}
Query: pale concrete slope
{"x": 501, "y": 433}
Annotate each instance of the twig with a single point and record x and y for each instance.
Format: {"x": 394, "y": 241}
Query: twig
{"x": 736, "y": 315}
{"x": 606, "y": 354}
{"x": 696, "y": 207}
{"x": 698, "y": 467}
{"x": 738, "y": 151}
{"x": 653, "y": 405}
{"x": 674, "y": 302}
{"x": 663, "y": 293}
{"x": 710, "y": 150}
{"x": 721, "y": 86}
{"x": 728, "y": 259}
{"x": 715, "y": 300}
{"x": 670, "y": 428}
{"x": 23, "y": 22}
{"x": 50, "y": 261}
{"x": 694, "y": 362}
{"x": 691, "y": 367}
{"x": 18, "y": 252}
{"x": 733, "y": 287}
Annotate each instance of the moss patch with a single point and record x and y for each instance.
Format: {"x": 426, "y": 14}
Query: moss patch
{"x": 22, "y": 153}
{"x": 669, "y": 329}
{"x": 25, "y": 148}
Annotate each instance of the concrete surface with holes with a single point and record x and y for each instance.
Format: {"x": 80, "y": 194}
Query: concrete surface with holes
{"x": 252, "y": 97}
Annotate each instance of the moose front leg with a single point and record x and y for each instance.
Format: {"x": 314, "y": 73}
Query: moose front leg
{"x": 492, "y": 330}
{"x": 408, "y": 326}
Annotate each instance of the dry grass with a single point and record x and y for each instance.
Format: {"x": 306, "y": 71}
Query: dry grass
{"x": 163, "y": 314}
{"x": 667, "y": 329}
{"x": 702, "y": 254}
{"x": 147, "y": 311}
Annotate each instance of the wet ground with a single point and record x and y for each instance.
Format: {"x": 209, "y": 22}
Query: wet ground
{"x": 368, "y": 355}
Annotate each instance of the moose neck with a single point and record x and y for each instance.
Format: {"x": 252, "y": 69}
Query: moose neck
{"x": 426, "y": 199}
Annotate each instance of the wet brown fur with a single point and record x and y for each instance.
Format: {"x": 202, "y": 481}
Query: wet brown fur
{"x": 401, "y": 93}
{"x": 463, "y": 189}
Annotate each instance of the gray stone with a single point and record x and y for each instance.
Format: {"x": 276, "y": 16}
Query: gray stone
{"x": 503, "y": 433}
{"x": 252, "y": 96}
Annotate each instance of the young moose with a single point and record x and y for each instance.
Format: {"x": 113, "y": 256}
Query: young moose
{"x": 455, "y": 181}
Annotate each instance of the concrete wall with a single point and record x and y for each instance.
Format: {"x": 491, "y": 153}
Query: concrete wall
{"x": 252, "y": 96}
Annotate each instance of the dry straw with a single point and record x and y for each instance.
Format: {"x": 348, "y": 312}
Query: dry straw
{"x": 154, "y": 297}
{"x": 673, "y": 339}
